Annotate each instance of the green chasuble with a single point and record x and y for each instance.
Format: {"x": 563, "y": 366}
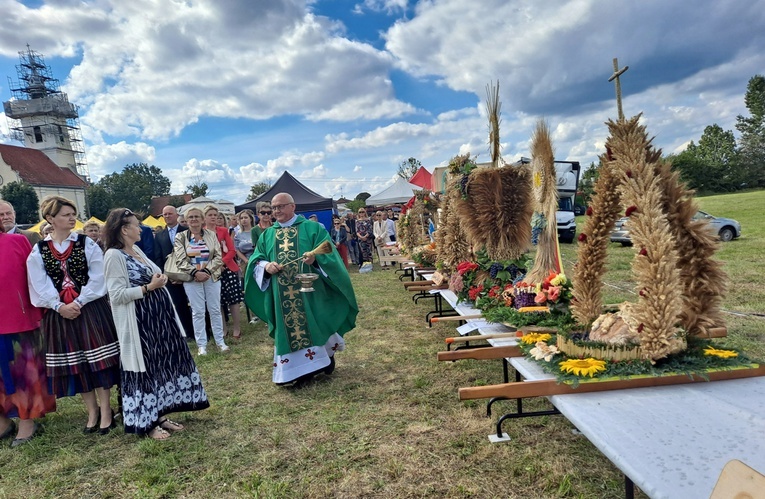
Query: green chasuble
{"x": 300, "y": 320}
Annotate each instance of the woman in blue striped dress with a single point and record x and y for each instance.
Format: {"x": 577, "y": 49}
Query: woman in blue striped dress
{"x": 158, "y": 373}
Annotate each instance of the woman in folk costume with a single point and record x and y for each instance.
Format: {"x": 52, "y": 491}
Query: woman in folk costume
{"x": 66, "y": 275}
{"x": 365, "y": 234}
{"x": 158, "y": 374}
{"x": 23, "y": 385}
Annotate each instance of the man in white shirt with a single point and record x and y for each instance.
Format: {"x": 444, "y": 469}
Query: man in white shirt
{"x": 163, "y": 246}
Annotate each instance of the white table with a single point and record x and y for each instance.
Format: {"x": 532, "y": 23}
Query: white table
{"x": 671, "y": 441}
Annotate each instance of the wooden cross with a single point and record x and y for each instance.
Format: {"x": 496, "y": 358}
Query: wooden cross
{"x": 617, "y": 73}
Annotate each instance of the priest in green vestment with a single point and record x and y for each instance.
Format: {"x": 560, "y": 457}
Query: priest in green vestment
{"x": 307, "y": 327}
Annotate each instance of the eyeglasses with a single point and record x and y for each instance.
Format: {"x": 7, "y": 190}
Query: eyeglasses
{"x": 280, "y": 206}
{"x": 265, "y": 212}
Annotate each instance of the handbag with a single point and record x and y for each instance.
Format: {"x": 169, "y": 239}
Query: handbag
{"x": 172, "y": 272}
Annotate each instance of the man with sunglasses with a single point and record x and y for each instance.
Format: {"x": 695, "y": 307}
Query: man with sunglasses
{"x": 307, "y": 327}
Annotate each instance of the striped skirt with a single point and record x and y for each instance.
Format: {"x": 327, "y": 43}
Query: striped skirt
{"x": 82, "y": 354}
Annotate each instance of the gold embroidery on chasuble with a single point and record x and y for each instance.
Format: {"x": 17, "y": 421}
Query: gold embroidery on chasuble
{"x": 293, "y": 313}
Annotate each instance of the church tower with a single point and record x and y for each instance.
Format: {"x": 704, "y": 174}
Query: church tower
{"x": 41, "y": 116}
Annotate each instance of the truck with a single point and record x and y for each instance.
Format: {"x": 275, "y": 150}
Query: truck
{"x": 567, "y": 173}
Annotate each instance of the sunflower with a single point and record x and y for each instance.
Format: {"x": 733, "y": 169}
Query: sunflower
{"x": 583, "y": 367}
{"x": 725, "y": 354}
{"x": 533, "y": 338}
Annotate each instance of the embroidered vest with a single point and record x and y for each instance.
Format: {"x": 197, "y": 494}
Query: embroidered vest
{"x": 76, "y": 264}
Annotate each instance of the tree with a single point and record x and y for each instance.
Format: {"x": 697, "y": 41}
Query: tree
{"x": 355, "y": 205}
{"x": 197, "y": 188}
{"x": 134, "y": 187}
{"x": 587, "y": 182}
{"x": 408, "y": 168}
{"x": 177, "y": 200}
{"x": 24, "y": 200}
{"x": 712, "y": 165}
{"x": 691, "y": 169}
{"x": 752, "y": 129}
{"x": 258, "y": 189}
{"x": 99, "y": 201}
{"x": 363, "y": 196}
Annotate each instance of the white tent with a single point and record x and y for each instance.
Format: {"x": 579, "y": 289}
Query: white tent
{"x": 199, "y": 202}
{"x": 226, "y": 207}
{"x": 400, "y": 192}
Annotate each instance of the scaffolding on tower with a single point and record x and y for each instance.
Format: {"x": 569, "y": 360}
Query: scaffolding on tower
{"x": 40, "y": 113}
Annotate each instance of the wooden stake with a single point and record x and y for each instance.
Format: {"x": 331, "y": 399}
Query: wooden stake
{"x": 495, "y": 336}
{"x": 482, "y": 354}
{"x": 548, "y": 387}
{"x": 456, "y": 318}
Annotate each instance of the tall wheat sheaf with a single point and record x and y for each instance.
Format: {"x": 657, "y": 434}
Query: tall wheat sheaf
{"x": 497, "y": 213}
{"x": 678, "y": 281}
{"x": 452, "y": 245}
{"x": 545, "y": 199}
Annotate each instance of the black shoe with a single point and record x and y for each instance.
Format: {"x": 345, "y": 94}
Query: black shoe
{"x": 92, "y": 429}
{"x": 303, "y": 381}
{"x": 21, "y": 441}
{"x": 112, "y": 425}
{"x": 9, "y": 431}
{"x": 331, "y": 367}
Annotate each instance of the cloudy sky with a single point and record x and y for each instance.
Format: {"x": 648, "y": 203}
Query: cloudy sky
{"x": 339, "y": 92}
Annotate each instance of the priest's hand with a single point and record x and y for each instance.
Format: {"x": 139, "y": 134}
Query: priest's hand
{"x": 273, "y": 268}
{"x": 309, "y": 258}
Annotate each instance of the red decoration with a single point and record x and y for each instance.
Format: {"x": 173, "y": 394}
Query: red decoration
{"x": 640, "y": 328}
{"x": 643, "y": 252}
{"x": 589, "y": 211}
{"x": 630, "y": 211}
{"x": 629, "y": 173}
{"x": 582, "y": 237}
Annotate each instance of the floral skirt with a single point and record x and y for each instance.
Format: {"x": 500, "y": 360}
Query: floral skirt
{"x": 23, "y": 384}
{"x": 171, "y": 382}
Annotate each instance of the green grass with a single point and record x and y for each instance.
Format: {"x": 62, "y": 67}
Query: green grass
{"x": 388, "y": 423}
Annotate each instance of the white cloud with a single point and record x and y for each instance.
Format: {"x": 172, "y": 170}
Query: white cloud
{"x": 316, "y": 172}
{"x": 149, "y": 71}
{"x": 388, "y": 6}
{"x": 357, "y": 169}
{"x": 104, "y": 159}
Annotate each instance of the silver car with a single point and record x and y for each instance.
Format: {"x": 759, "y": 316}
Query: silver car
{"x": 726, "y": 229}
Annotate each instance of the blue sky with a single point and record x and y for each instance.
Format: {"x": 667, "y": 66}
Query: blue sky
{"x": 339, "y": 92}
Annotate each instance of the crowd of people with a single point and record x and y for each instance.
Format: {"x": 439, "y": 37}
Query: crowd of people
{"x": 113, "y": 306}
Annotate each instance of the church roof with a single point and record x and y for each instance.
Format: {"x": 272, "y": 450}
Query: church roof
{"x": 35, "y": 168}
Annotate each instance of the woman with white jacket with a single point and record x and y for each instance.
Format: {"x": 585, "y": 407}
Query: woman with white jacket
{"x": 382, "y": 238}
{"x": 158, "y": 374}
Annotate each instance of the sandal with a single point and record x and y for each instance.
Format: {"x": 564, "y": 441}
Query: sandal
{"x": 170, "y": 425}
{"x": 158, "y": 433}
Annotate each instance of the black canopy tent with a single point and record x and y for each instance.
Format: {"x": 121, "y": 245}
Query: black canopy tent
{"x": 307, "y": 202}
